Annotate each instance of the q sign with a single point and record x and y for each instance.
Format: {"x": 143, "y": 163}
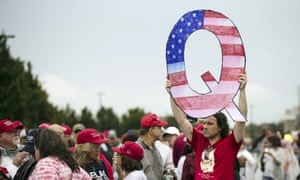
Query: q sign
{"x": 222, "y": 92}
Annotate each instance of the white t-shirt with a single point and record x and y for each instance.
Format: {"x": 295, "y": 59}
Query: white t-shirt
{"x": 7, "y": 160}
{"x": 166, "y": 154}
{"x": 272, "y": 170}
{"x": 248, "y": 171}
{"x": 136, "y": 175}
{"x": 179, "y": 168}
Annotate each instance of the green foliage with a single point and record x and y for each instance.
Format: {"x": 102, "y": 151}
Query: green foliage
{"x": 107, "y": 119}
{"x": 87, "y": 119}
{"x": 131, "y": 120}
{"x": 69, "y": 116}
{"x": 21, "y": 97}
{"x": 171, "y": 121}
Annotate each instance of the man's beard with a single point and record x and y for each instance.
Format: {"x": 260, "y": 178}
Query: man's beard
{"x": 212, "y": 136}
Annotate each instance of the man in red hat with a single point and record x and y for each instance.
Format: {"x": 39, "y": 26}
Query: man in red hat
{"x": 215, "y": 147}
{"x": 11, "y": 157}
{"x": 150, "y": 132}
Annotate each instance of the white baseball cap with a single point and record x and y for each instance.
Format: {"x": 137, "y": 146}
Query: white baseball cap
{"x": 172, "y": 130}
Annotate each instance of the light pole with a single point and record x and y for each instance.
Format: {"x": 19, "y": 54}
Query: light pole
{"x": 100, "y": 94}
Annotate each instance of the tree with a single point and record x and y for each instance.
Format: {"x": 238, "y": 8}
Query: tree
{"x": 171, "y": 121}
{"x": 107, "y": 119}
{"x": 21, "y": 95}
{"x": 254, "y": 130}
{"x": 69, "y": 116}
{"x": 131, "y": 120}
{"x": 87, "y": 119}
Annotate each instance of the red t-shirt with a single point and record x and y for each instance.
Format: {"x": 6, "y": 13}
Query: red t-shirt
{"x": 217, "y": 161}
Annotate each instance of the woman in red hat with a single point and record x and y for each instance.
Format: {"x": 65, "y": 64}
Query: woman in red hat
{"x": 87, "y": 153}
{"x": 128, "y": 161}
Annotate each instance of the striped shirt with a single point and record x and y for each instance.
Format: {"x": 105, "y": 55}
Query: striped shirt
{"x": 51, "y": 168}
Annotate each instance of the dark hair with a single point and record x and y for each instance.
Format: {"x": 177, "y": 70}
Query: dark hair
{"x": 187, "y": 149}
{"x": 191, "y": 119}
{"x": 130, "y": 137}
{"x": 274, "y": 140}
{"x": 222, "y": 123}
{"x": 49, "y": 143}
{"x": 129, "y": 164}
{"x": 144, "y": 131}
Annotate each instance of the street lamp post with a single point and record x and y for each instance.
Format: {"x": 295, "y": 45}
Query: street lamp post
{"x": 100, "y": 94}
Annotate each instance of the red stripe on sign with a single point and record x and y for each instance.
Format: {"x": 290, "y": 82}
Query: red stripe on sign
{"x": 210, "y": 13}
{"x": 178, "y": 78}
{"x": 207, "y": 76}
{"x": 232, "y": 50}
{"x": 223, "y": 30}
{"x": 231, "y": 74}
{"x": 209, "y": 101}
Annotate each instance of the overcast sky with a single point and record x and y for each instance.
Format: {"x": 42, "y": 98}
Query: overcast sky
{"x": 80, "y": 49}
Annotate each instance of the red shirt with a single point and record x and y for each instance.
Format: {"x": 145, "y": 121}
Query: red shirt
{"x": 217, "y": 161}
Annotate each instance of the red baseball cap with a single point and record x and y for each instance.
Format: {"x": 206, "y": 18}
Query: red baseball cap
{"x": 130, "y": 149}
{"x": 90, "y": 136}
{"x": 7, "y": 125}
{"x": 44, "y": 125}
{"x": 67, "y": 129}
{"x": 150, "y": 120}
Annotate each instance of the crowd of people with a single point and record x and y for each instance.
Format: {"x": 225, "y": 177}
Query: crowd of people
{"x": 205, "y": 150}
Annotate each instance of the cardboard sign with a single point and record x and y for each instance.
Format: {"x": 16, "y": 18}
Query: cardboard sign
{"x": 222, "y": 92}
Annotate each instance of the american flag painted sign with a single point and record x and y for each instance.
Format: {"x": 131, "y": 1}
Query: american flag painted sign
{"x": 222, "y": 92}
